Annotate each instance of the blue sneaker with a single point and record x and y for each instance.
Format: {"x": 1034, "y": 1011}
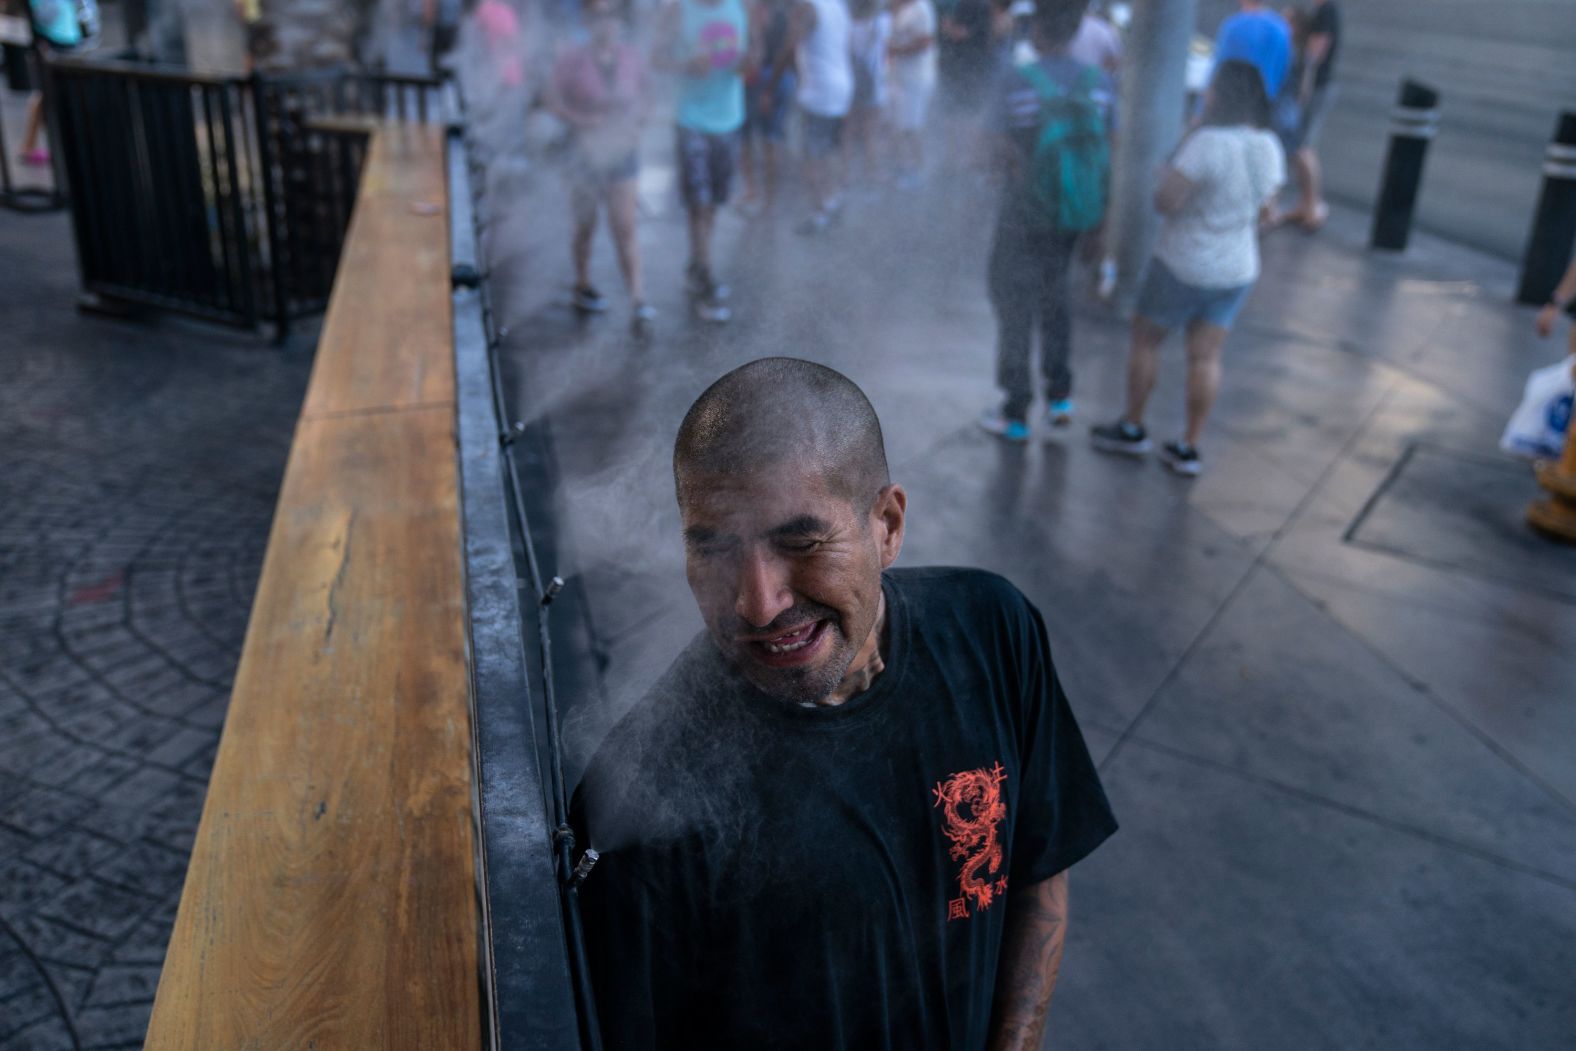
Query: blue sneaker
{"x": 998, "y": 423}
{"x": 1059, "y": 413}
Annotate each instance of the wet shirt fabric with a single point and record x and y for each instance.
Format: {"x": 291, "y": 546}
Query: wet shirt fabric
{"x": 776, "y": 876}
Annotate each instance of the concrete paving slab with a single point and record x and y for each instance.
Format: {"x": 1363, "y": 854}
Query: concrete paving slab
{"x": 1312, "y": 706}
{"x": 1463, "y": 512}
{"x": 1228, "y": 913}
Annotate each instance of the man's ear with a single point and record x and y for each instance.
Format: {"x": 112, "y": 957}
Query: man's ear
{"x": 889, "y": 516}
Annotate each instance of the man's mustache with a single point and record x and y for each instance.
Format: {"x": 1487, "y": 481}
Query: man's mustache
{"x": 788, "y": 620}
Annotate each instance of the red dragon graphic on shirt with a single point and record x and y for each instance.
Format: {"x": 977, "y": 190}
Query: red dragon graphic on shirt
{"x": 972, "y": 807}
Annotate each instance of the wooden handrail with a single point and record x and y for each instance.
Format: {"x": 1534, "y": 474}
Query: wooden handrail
{"x": 330, "y": 900}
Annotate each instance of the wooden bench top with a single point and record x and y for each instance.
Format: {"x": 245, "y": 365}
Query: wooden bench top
{"x": 330, "y": 900}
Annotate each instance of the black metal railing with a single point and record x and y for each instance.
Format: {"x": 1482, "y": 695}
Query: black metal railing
{"x": 222, "y": 197}
{"x": 537, "y": 981}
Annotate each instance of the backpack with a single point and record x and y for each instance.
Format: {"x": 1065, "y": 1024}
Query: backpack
{"x": 1072, "y": 156}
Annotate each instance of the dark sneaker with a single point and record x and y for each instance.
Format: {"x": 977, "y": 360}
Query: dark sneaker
{"x": 588, "y": 300}
{"x": 1181, "y": 458}
{"x": 1129, "y": 439}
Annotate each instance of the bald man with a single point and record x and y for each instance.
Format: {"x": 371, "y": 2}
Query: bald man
{"x": 843, "y": 818}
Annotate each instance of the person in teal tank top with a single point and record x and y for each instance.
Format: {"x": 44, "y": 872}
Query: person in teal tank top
{"x": 55, "y": 29}
{"x": 709, "y": 44}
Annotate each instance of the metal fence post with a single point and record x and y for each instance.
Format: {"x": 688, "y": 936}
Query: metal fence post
{"x": 1412, "y": 127}
{"x": 261, "y": 104}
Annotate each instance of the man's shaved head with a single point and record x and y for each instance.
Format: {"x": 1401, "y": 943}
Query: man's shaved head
{"x": 789, "y": 520}
{"x": 784, "y": 410}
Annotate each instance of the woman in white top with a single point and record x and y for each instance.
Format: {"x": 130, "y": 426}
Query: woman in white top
{"x": 1207, "y": 258}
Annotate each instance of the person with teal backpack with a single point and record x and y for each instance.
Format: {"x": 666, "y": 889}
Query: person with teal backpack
{"x": 1053, "y": 119}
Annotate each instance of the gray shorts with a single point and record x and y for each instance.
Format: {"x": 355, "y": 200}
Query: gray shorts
{"x": 1313, "y": 115}
{"x": 822, "y": 135}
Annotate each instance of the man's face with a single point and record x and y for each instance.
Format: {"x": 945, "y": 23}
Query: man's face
{"x": 787, "y": 572}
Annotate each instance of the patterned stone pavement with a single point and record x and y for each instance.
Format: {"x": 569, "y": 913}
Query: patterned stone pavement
{"x": 139, "y": 466}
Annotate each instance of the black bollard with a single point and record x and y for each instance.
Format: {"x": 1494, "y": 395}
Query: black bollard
{"x": 1554, "y": 223}
{"x": 1412, "y": 125}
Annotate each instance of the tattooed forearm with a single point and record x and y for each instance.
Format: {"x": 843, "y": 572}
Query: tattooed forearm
{"x": 1031, "y": 958}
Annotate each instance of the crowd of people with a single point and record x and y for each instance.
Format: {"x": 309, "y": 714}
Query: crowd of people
{"x": 1032, "y": 88}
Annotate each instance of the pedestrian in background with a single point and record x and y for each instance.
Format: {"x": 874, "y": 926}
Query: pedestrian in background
{"x": 868, "y": 33}
{"x": 966, "y": 56}
{"x": 599, "y": 89}
{"x": 768, "y": 103}
{"x": 1206, "y": 260}
{"x": 707, "y": 42}
{"x": 442, "y": 19}
{"x": 1559, "y": 301}
{"x": 1316, "y": 93}
{"x": 499, "y": 26}
{"x": 55, "y": 29}
{"x": 1052, "y": 121}
{"x": 911, "y": 77}
{"x": 1259, "y": 37}
{"x": 1098, "y": 43}
{"x": 818, "y": 31}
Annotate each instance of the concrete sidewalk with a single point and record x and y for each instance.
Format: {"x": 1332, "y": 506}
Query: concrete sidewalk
{"x": 1329, "y": 684}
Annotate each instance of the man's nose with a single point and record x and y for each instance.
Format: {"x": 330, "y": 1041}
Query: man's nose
{"x": 763, "y": 591}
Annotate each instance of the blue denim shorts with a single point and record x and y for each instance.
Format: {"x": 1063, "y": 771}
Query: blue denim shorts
{"x": 1170, "y": 302}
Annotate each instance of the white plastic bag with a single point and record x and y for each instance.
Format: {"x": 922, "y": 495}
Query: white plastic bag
{"x": 1537, "y": 427}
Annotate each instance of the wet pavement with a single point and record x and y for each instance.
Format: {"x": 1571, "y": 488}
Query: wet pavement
{"x": 1329, "y": 683}
{"x": 139, "y": 466}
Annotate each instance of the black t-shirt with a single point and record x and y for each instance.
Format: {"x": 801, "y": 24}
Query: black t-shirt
{"x": 1326, "y": 19}
{"x": 835, "y": 877}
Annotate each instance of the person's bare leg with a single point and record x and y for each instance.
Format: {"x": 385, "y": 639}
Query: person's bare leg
{"x": 769, "y": 164}
{"x": 584, "y": 205}
{"x": 816, "y": 182}
{"x": 752, "y": 188}
{"x": 700, "y": 223}
{"x": 35, "y": 122}
{"x": 1311, "y": 210}
{"x": 1143, "y": 363}
{"x": 621, "y": 216}
{"x": 1204, "y": 342}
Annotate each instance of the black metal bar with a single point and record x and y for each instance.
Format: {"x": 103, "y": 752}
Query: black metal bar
{"x": 262, "y": 107}
{"x": 141, "y": 71}
{"x": 1413, "y": 124}
{"x": 211, "y": 177}
{"x": 248, "y": 305}
{"x": 67, "y": 94}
